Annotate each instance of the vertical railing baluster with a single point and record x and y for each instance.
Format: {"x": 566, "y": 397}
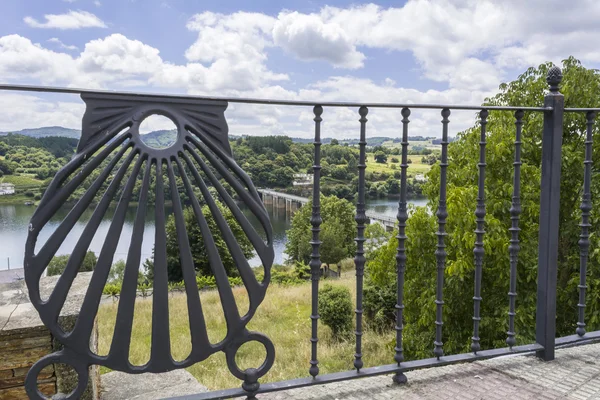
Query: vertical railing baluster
{"x": 478, "y": 251}
{"x": 402, "y": 216}
{"x": 361, "y": 220}
{"x": 586, "y": 208}
{"x": 514, "y": 248}
{"x": 440, "y": 253}
{"x": 315, "y": 257}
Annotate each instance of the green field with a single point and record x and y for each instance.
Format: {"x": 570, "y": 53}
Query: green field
{"x": 416, "y": 167}
{"x": 21, "y": 180}
{"x": 426, "y": 144}
{"x": 284, "y": 317}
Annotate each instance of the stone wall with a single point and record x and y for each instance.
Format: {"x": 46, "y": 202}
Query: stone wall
{"x": 24, "y": 340}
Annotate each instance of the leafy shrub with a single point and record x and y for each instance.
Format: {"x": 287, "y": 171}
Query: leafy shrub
{"x": 209, "y": 282}
{"x": 235, "y": 281}
{"x": 37, "y": 197}
{"x": 335, "y": 309}
{"x": 29, "y": 193}
{"x": 301, "y": 270}
{"x": 57, "y": 265}
{"x": 379, "y": 305}
{"x": 281, "y": 275}
{"x": 206, "y": 282}
{"x": 177, "y": 286}
{"x": 112, "y": 289}
{"x": 144, "y": 289}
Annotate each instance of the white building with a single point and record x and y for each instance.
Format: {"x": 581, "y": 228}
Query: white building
{"x": 7, "y": 188}
{"x": 303, "y": 179}
{"x": 420, "y": 178}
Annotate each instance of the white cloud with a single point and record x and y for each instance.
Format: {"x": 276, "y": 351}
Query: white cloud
{"x": 97, "y": 3}
{"x": 120, "y": 57}
{"x": 27, "y": 111}
{"x": 62, "y": 45}
{"x": 467, "y": 46}
{"x": 234, "y": 49}
{"x": 20, "y": 60}
{"x": 309, "y": 38}
{"x": 70, "y": 20}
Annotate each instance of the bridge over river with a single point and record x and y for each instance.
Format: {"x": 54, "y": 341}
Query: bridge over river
{"x": 291, "y": 203}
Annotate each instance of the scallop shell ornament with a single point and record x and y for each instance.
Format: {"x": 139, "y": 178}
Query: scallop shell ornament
{"x": 112, "y": 167}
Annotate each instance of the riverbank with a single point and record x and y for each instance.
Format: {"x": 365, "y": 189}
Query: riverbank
{"x": 16, "y": 200}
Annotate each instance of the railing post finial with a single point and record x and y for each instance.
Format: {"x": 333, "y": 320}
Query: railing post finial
{"x": 554, "y": 78}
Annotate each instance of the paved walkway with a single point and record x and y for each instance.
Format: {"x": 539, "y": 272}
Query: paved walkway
{"x": 574, "y": 374}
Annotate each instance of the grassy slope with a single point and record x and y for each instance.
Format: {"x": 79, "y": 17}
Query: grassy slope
{"x": 21, "y": 180}
{"x": 416, "y": 167}
{"x": 283, "y": 317}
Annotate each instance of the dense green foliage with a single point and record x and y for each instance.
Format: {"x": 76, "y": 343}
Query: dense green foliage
{"x": 113, "y": 288}
{"x": 335, "y": 309}
{"x": 380, "y": 157}
{"x": 581, "y": 88}
{"x": 202, "y": 265}
{"x": 272, "y": 161}
{"x": 58, "y": 264}
{"x": 57, "y": 146}
{"x": 338, "y": 230}
{"x": 38, "y": 157}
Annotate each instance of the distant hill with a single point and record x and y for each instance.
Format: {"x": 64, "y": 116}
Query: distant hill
{"x": 373, "y": 141}
{"x": 160, "y": 139}
{"x": 163, "y": 138}
{"x": 157, "y": 138}
{"x": 47, "y": 131}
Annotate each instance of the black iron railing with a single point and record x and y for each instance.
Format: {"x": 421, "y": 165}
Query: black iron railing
{"x": 111, "y": 123}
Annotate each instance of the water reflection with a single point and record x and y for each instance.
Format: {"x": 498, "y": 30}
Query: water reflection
{"x": 14, "y": 222}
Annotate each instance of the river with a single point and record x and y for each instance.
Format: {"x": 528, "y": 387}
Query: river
{"x": 14, "y": 222}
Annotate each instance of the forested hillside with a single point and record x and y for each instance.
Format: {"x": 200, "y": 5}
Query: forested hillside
{"x": 37, "y": 157}
{"x": 271, "y": 161}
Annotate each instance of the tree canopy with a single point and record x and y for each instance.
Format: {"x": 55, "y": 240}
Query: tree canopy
{"x": 338, "y": 230}
{"x": 581, "y": 88}
{"x": 197, "y": 246}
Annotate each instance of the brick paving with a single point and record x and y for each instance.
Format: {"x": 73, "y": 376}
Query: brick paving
{"x": 574, "y": 374}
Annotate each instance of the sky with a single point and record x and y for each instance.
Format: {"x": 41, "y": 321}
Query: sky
{"x": 450, "y": 52}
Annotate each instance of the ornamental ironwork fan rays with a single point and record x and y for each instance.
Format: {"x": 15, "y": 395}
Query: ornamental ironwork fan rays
{"x": 110, "y": 162}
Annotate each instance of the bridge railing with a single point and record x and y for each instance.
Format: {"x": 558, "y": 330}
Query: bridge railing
{"x": 203, "y": 136}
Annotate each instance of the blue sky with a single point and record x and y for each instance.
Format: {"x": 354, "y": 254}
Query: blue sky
{"x": 416, "y": 51}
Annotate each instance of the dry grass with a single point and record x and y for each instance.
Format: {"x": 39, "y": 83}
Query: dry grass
{"x": 283, "y": 317}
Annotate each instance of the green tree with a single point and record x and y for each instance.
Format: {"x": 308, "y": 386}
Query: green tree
{"x": 335, "y": 310}
{"x": 338, "y": 230}
{"x": 334, "y": 247}
{"x": 7, "y": 167}
{"x": 117, "y": 272}
{"x": 57, "y": 264}
{"x": 581, "y": 88}
{"x": 198, "y": 247}
{"x": 380, "y": 157}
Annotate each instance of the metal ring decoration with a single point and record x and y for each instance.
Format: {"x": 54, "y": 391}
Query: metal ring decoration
{"x": 60, "y": 357}
{"x": 250, "y": 374}
{"x": 111, "y": 159}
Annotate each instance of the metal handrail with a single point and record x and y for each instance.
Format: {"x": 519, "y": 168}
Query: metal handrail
{"x": 281, "y": 102}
